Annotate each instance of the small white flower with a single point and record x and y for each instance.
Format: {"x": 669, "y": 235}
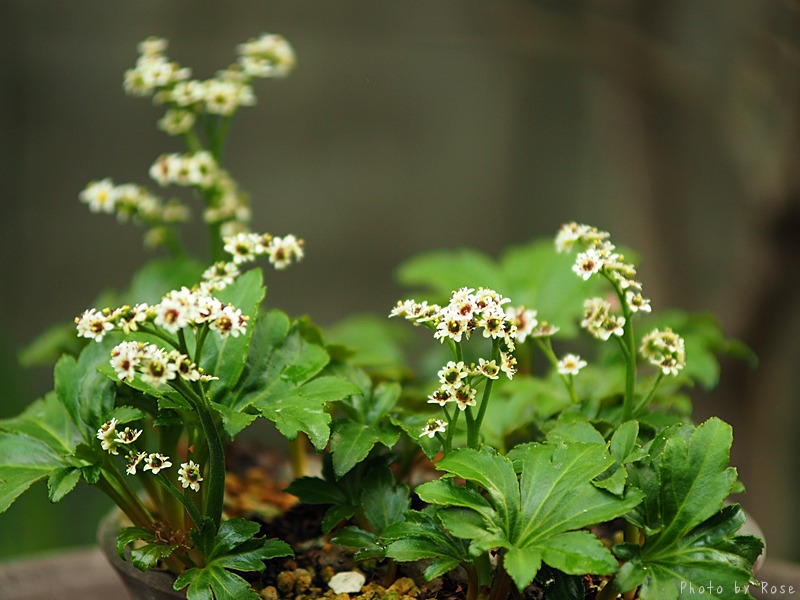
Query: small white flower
{"x": 127, "y": 436}
{"x": 93, "y": 324}
{"x": 452, "y": 326}
{"x": 494, "y": 322}
{"x": 464, "y": 396}
{"x": 568, "y": 235}
{"x": 441, "y": 396}
{"x": 488, "y": 369}
{"x": 636, "y": 302}
{"x": 124, "y": 360}
{"x": 453, "y": 374}
{"x": 133, "y": 461}
{"x": 665, "y": 350}
{"x": 570, "y": 364}
{"x": 156, "y": 368}
{"x": 107, "y": 434}
{"x": 508, "y": 364}
{"x": 282, "y": 251}
{"x": 101, "y": 196}
{"x": 189, "y": 475}
{"x": 243, "y": 247}
{"x": 156, "y": 462}
{"x": 269, "y": 55}
{"x": 229, "y": 321}
{"x": 171, "y": 314}
{"x": 523, "y": 319}
{"x": 432, "y": 427}
{"x": 588, "y": 263}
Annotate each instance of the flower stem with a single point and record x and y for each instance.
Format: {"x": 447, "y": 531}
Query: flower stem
{"x": 546, "y": 347}
{"x": 474, "y": 432}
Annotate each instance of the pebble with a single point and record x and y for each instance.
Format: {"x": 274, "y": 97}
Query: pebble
{"x": 348, "y": 582}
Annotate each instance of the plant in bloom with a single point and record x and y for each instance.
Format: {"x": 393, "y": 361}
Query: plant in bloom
{"x": 560, "y": 475}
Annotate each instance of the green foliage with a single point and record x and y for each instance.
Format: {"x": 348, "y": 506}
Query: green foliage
{"x": 421, "y": 535}
{"x": 366, "y": 423}
{"x": 235, "y": 547}
{"x": 144, "y": 556}
{"x": 689, "y": 536}
{"x": 281, "y": 380}
{"x": 349, "y": 495}
{"x": 383, "y": 503}
{"x": 537, "y": 518}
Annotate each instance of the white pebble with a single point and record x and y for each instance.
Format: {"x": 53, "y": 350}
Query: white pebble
{"x": 349, "y": 582}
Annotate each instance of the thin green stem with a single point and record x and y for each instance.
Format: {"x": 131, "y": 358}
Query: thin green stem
{"x": 474, "y": 433}
{"x": 630, "y": 369}
{"x": 629, "y": 351}
{"x": 546, "y": 346}
{"x": 646, "y": 400}
{"x": 215, "y": 492}
{"x": 451, "y": 428}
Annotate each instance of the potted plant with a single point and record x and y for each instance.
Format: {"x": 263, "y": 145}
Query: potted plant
{"x": 547, "y": 451}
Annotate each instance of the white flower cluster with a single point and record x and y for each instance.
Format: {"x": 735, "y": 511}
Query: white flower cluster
{"x": 458, "y": 381}
{"x": 196, "y": 169}
{"x": 665, "y": 350}
{"x": 280, "y": 251}
{"x": 267, "y": 56}
{"x": 153, "y": 70}
{"x": 468, "y": 311}
{"x": 156, "y": 366}
{"x": 177, "y": 310}
{"x": 599, "y": 321}
{"x": 130, "y": 200}
{"x": 600, "y": 255}
{"x": 111, "y": 439}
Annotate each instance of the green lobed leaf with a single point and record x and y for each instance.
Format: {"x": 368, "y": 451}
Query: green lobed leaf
{"x": 23, "y": 462}
{"x": 377, "y": 343}
{"x": 214, "y": 582}
{"x": 365, "y": 543}
{"x": 61, "y": 482}
{"x": 87, "y": 394}
{"x": 351, "y": 442}
{"x": 422, "y": 536}
{"x": 383, "y": 500}
{"x": 541, "y": 515}
{"x": 494, "y": 473}
{"x": 148, "y": 556}
{"x": 302, "y": 408}
{"x": 232, "y": 547}
{"x": 522, "y": 564}
{"x": 159, "y": 276}
{"x": 47, "y": 421}
{"x": 695, "y": 478}
{"x": 690, "y": 537}
{"x": 128, "y": 535}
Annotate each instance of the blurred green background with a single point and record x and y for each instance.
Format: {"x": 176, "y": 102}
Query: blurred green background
{"x": 413, "y": 125}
